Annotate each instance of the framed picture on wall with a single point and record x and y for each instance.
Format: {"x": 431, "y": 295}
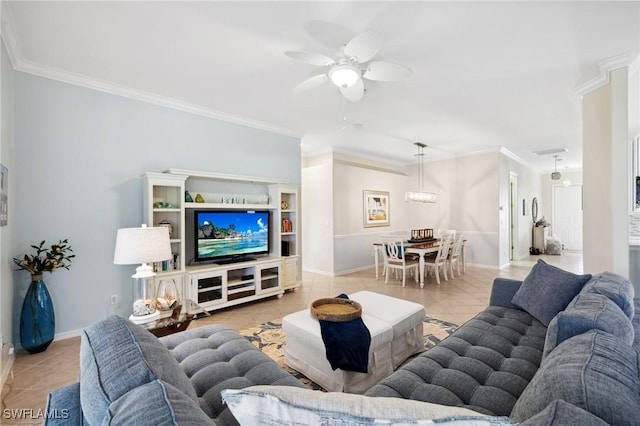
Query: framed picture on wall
{"x": 376, "y": 208}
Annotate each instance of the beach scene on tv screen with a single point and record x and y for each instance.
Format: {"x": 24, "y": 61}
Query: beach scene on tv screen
{"x": 232, "y": 234}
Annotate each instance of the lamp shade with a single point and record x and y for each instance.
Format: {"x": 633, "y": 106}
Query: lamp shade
{"x": 142, "y": 245}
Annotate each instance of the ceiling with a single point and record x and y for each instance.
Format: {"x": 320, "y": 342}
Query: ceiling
{"x": 485, "y": 75}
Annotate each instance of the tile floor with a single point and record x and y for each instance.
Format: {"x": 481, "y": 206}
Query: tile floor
{"x": 457, "y": 300}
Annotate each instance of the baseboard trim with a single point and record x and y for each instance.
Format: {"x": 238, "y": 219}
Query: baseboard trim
{"x": 481, "y": 266}
{"x": 317, "y": 271}
{"x": 7, "y": 369}
{"x": 361, "y": 268}
{"x": 372, "y": 267}
{"x": 67, "y": 335}
{"x": 59, "y": 336}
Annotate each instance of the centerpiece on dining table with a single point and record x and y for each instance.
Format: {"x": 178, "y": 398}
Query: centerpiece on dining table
{"x": 424, "y": 235}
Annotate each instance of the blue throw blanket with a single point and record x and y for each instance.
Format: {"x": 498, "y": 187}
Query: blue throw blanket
{"x": 346, "y": 343}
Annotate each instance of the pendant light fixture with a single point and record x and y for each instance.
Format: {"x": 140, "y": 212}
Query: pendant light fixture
{"x": 556, "y": 174}
{"x": 420, "y": 196}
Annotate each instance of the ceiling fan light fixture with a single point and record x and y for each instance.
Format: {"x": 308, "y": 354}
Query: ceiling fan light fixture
{"x": 351, "y": 67}
{"x": 344, "y": 75}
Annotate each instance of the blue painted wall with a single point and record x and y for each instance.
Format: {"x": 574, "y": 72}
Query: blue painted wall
{"x": 79, "y": 157}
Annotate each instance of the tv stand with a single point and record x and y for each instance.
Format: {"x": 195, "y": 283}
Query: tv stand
{"x": 219, "y": 286}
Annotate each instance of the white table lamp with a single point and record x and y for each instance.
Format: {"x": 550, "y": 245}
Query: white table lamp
{"x": 142, "y": 245}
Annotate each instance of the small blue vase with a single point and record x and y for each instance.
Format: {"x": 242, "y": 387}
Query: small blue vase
{"x": 37, "y": 319}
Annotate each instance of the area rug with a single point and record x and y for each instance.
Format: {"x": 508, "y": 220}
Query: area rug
{"x": 270, "y": 339}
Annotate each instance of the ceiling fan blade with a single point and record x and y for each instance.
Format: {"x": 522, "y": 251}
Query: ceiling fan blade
{"x": 311, "y": 58}
{"x": 311, "y": 83}
{"x": 385, "y": 71}
{"x": 355, "y": 92}
{"x": 364, "y": 46}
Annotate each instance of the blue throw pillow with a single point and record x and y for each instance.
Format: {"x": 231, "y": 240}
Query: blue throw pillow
{"x": 117, "y": 356}
{"x": 547, "y": 290}
{"x": 615, "y": 287}
{"x": 595, "y": 371}
{"x": 156, "y": 403}
{"x": 586, "y": 312}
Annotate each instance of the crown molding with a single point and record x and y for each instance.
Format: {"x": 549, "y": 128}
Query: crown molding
{"x": 606, "y": 67}
{"x": 19, "y": 63}
{"x": 366, "y": 163}
{"x": 504, "y": 151}
{"x": 8, "y": 34}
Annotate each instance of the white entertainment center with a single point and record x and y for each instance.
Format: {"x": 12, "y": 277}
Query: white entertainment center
{"x": 211, "y": 285}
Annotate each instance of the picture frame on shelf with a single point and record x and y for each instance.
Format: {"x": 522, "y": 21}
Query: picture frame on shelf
{"x": 376, "y": 208}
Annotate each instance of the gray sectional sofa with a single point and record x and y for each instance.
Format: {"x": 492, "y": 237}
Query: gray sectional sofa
{"x": 130, "y": 377}
{"x": 555, "y": 345}
{"x": 556, "y": 348}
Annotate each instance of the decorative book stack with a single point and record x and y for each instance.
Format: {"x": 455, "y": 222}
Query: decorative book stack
{"x": 287, "y": 225}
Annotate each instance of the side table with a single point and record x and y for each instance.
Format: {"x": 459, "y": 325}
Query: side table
{"x": 179, "y": 320}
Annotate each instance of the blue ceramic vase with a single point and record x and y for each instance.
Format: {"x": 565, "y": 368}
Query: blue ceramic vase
{"x": 37, "y": 319}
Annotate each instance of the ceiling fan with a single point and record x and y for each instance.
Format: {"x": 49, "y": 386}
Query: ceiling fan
{"x": 351, "y": 64}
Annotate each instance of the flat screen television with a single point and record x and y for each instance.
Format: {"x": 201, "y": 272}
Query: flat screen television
{"x": 223, "y": 236}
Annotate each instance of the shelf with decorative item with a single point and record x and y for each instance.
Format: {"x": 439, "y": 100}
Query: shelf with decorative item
{"x": 226, "y": 177}
{"x": 226, "y": 200}
{"x": 287, "y": 227}
{"x": 229, "y": 206}
{"x": 287, "y": 202}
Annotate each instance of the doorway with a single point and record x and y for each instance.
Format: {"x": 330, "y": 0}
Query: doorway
{"x": 513, "y": 216}
{"x": 566, "y": 220}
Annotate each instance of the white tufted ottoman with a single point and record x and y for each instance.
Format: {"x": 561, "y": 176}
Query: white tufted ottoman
{"x": 396, "y": 333}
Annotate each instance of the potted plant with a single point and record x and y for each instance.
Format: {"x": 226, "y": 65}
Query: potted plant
{"x": 37, "y": 318}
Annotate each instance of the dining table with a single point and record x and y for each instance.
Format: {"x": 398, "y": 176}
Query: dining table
{"x": 421, "y": 249}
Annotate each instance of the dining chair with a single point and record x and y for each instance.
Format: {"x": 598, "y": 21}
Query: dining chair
{"x": 438, "y": 260}
{"x": 441, "y": 233}
{"x": 396, "y": 259}
{"x": 455, "y": 256}
{"x": 391, "y": 236}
